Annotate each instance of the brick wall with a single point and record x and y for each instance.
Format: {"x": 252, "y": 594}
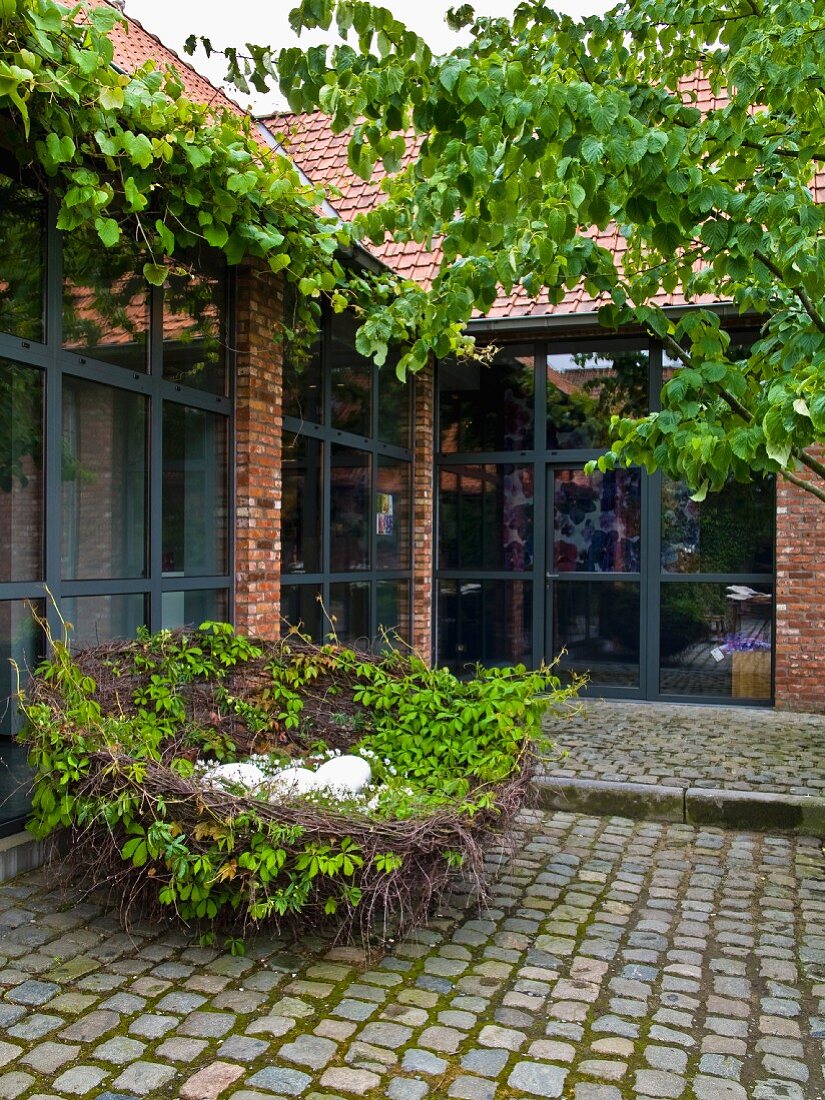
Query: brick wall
{"x": 800, "y": 599}
{"x": 423, "y": 513}
{"x": 258, "y": 401}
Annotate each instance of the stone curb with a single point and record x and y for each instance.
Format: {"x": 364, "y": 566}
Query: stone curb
{"x": 603, "y": 798}
{"x": 757, "y": 811}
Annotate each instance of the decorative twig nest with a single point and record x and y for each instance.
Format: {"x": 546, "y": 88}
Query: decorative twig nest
{"x": 132, "y": 742}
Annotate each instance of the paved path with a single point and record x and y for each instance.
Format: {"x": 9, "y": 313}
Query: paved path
{"x": 618, "y": 960}
{"x": 731, "y": 748}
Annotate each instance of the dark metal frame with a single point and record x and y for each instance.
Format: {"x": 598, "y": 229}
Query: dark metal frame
{"x": 650, "y": 576}
{"x": 376, "y": 449}
{"x": 57, "y": 363}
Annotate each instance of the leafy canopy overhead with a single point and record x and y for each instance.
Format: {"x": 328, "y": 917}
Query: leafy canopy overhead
{"x": 543, "y": 128}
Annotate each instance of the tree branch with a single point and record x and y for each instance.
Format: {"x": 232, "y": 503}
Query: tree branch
{"x": 799, "y": 291}
{"x": 806, "y": 485}
{"x": 813, "y": 464}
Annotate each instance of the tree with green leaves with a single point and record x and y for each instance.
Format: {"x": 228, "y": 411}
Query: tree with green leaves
{"x": 542, "y": 129}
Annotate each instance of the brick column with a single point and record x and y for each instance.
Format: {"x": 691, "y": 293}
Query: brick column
{"x": 800, "y": 598}
{"x": 258, "y": 406}
{"x": 423, "y": 513}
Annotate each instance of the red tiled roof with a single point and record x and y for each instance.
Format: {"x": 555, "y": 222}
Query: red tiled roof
{"x": 134, "y": 45}
{"x": 322, "y": 156}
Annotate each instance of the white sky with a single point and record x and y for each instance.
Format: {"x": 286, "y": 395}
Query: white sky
{"x": 265, "y": 22}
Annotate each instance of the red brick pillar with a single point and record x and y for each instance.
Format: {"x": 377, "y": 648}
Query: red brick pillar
{"x": 258, "y": 411}
{"x": 423, "y": 513}
{"x": 800, "y": 598}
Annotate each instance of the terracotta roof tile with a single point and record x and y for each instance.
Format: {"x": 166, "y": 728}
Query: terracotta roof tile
{"x": 322, "y": 156}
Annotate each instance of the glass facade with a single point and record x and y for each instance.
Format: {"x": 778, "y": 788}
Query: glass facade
{"x": 115, "y": 435}
{"x": 347, "y": 514}
{"x": 643, "y": 590}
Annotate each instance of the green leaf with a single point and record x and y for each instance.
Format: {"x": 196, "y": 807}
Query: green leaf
{"x": 155, "y": 274}
{"x": 108, "y": 230}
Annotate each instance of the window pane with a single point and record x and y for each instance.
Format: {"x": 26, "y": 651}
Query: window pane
{"x": 22, "y": 260}
{"x": 194, "y": 324}
{"x": 392, "y": 514}
{"x": 105, "y": 301}
{"x": 598, "y": 624}
{"x": 484, "y": 621}
{"x": 488, "y": 408}
{"x": 302, "y": 504}
{"x": 193, "y": 608}
{"x": 729, "y": 532}
{"x": 393, "y": 604}
{"x": 351, "y": 381}
{"x": 21, "y": 472}
{"x": 97, "y": 619}
{"x": 716, "y": 639}
{"x": 302, "y": 386}
{"x": 301, "y": 607}
{"x": 585, "y": 388}
{"x": 349, "y": 608}
{"x": 21, "y": 641}
{"x": 104, "y": 481}
{"x": 596, "y": 521}
{"x": 195, "y": 475}
{"x": 394, "y": 405}
{"x": 486, "y": 517}
{"x": 349, "y": 510}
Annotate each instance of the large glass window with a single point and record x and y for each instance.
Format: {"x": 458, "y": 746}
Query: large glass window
{"x": 194, "y": 323}
{"x": 597, "y": 521}
{"x": 585, "y": 388}
{"x": 485, "y": 621}
{"x": 114, "y": 485}
{"x": 488, "y": 407}
{"x": 486, "y": 517}
{"x": 21, "y": 473}
{"x": 106, "y": 301}
{"x": 104, "y": 481}
{"x": 729, "y": 532}
{"x": 347, "y": 508}
{"x": 22, "y": 260}
{"x": 195, "y": 515}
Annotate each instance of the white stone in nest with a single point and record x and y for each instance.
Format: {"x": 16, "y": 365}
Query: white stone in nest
{"x": 241, "y": 774}
{"x": 291, "y": 781}
{"x": 344, "y": 776}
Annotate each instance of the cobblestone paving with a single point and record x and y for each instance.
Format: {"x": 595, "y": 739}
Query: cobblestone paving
{"x": 735, "y": 748}
{"x": 617, "y": 960}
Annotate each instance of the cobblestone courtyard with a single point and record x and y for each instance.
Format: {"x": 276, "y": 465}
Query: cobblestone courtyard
{"x": 734, "y": 748}
{"x": 617, "y": 960}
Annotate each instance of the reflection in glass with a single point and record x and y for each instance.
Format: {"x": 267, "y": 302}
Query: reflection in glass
{"x": 97, "y": 619}
{"x": 22, "y": 260}
{"x": 393, "y": 609}
{"x": 302, "y": 504}
{"x": 21, "y": 472}
{"x": 105, "y": 301}
{"x": 349, "y": 608}
{"x": 301, "y": 608}
{"x": 596, "y": 520}
{"x": 716, "y": 639}
{"x": 22, "y": 642}
{"x": 585, "y": 388}
{"x": 350, "y": 510}
{"x": 104, "y": 481}
{"x": 194, "y": 323}
{"x": 394, "y": 405}
{"x": 302, "y": 385}
{"x": 486, "y": 517}
{"x": 490, "y": 622}
{"x": 392, "y": 514}
{"x": 193, "y": 608}
{"x": 195, "y": 477}
{"x": 351, "y": 378}
{"x": 729, "y": 532}
{"x": 488, "y": 408}
{"x": 597, "y": 622}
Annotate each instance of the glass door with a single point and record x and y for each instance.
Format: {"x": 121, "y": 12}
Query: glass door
{"x": 594, "y": 593}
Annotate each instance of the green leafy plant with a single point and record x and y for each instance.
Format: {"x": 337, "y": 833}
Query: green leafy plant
{"x": 121, "y": 772}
